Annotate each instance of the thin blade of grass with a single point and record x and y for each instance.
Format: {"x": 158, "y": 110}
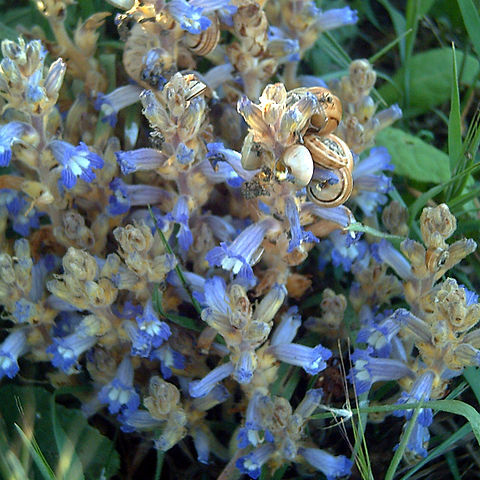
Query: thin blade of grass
{"x": 471, "y": 20}
{"x": 168, "y": 248}
{"x": 440, "y": 449}
{"x": 37, "y": 456}
{"x": 453, "y": 465}
{"x": 454, "y": 119}
{"x": 472, "y": 376}
{"x": 388, "y": 47}
{"x": 69, "y": 465}
{"x": 398, "y": 455}
{"x": 420, "y": 202}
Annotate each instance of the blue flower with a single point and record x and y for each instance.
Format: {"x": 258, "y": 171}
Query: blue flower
{"x": 418, "y": 439}
{"x": 368, "y": 370}
{"x": 298, "y": 234}
{"x": 11, "y": 348}
{"x": 201, "y": 440}
{"x": 119, "y": 98}
{"x": 188, "y": 16}
{"x": 119, "y": 394}
{"x": 238, "y": 256}
{"x": 378, "y": 330}
{"x": 9, "y": 134}
{"x": 330, "y": 465}
{"x": 312, "y": 360}
{"x": 335, "y": 18}
{"x": 138, "y": 421}
{"x": 119, "y": 202}
{"x": 66, "y": 350}
{"x": 420, "y": 392}
{"x": 140, "y": 159}
{"x": 24, "y": 311}
{"x": 185, "y": 155}
{"x": 149, "y": 323}
{"x": 77, "y": 162}
{"x": 287, "y": 328}
{"x": 180, "y": 216}
{"x": 22, "y": 216}
{"x": 244, "y": 368}
{"x": 251, "y": 464}
{"x": 200, "y": 388}
{"x": 169, "y": 359}
{"x": 384, "y": 251}
{"x": 371, "y": 184}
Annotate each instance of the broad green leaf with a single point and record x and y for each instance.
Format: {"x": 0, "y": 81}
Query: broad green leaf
{"x": 429, "y": 81}
{"x": 96, "y": 452}
{"x": 414, "y": 158}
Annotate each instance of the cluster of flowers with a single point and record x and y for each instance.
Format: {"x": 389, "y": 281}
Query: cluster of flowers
{"x": 146, "y": 267}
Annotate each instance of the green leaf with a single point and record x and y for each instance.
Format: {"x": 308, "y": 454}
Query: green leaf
{"x": 95, "y": 452}
{"x": 430, "y": 79}
{"x": 471, "y": 20}
{"x": 414, "y": 158}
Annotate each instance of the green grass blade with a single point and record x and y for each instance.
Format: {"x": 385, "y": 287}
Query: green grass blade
{"x": 69, "y": 465}
{"x": 37, "y": 456}
{"x": 440, "y": 449}
{"x": 471, "y": 20}
{"x": 397, "y": 457}
{"x": 421, "y": 201}
{"x": 472, "y": 376}
{"x": 388, "y": 47}
{"x": 453, "y": 466}
{"x": 454, "y": 120}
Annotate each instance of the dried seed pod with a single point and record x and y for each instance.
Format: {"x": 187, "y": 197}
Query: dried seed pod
{"x": 330, "y": 188}
{"x": 203, "y": 43}
{"x": 330, "y": 108}
{"x": 329, "y": 151}
{"x": 253, "y": 155}
{"x": 299, "y": 160}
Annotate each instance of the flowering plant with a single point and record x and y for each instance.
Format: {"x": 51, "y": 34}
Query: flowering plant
{"x": 203, "y": 247}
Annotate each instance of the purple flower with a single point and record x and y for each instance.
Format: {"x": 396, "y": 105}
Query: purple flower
{"x": 119, "y": 394}
{"x": 312, "y": 360}
{"x": 331, "y": 466}
{"x": 11, "y": 348}
{"x": 77, "y": 162}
